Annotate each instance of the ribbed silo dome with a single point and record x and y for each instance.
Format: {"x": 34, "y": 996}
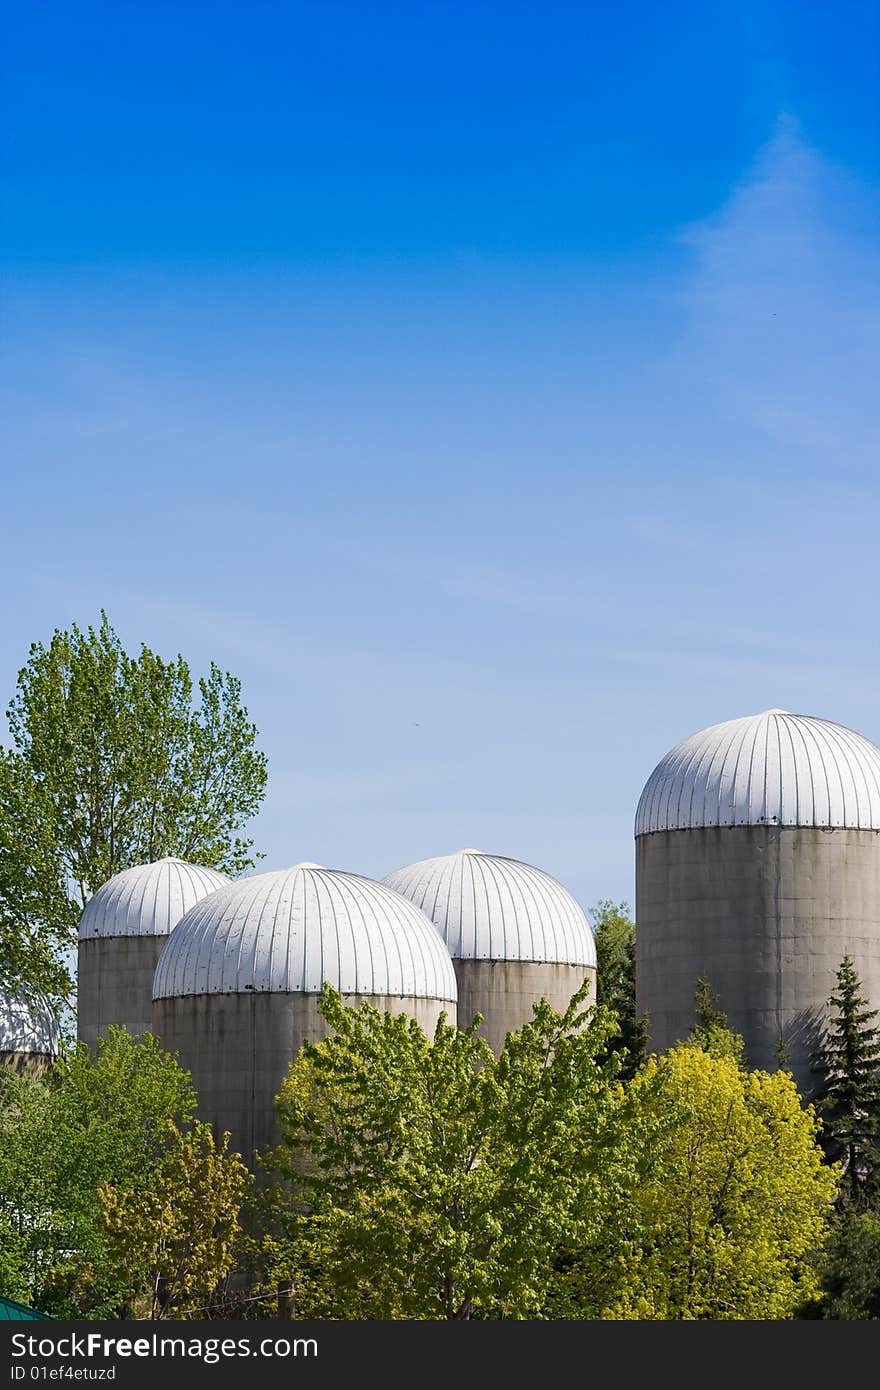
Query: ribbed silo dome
{"x": 292, "y": 929}
{"x": 491, "y": 908}
{"x": 773, "y": 768}
{"x": 27, "y": 1025}
{"x": 148, "y": 899}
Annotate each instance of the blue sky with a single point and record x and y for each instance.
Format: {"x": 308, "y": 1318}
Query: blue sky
{"x": 492, "y": 388}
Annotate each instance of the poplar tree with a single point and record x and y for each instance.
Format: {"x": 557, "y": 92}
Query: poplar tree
{"x": 114, "y": 760}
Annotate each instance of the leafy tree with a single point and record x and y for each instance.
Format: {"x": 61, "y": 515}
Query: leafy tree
{"x": 111, "y": 764}
{"x": 712, "y": 1031}
{"x": 171, "y": 1244}
{"x": 615, "y": 935}
{"x": 428, "y": 1179}
{"x": 25, "y": 1212}
{"x": 737, "y": 1198}
{"x": 101, "y": 1118}
{"x": 848, "y": 1063}
{"x": 850, "y": 1271}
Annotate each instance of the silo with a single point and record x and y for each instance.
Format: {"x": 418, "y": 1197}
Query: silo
{"x": 758, "y": 868}
{"x": 121, "y": 935}
{"x": 29, "y": 1033}
{"x": 236, "y": 988}
{"x": 514, "y": 933}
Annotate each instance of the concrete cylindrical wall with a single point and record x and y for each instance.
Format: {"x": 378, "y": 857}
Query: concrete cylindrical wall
{"x": 115, "y": 984}
{"x": 504, "y": 991}
{"x": 239, "y": 1047}
{"x": 765, "y": 914}
{"x": 514, "y": 933}
{"x": 122, "y": 933}
{"x": 34, "y": 1063}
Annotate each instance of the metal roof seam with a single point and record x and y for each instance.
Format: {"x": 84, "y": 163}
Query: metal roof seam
{"x": 725, "y": 774}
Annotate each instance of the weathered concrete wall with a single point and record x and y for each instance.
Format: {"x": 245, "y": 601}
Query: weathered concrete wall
{"x": 115, "y": 984}
{"x": 239, "y": 1047}
{"x": 766, "y": 914}
{"x": 503, "y": 991}
{"x": 34, "y": 1063}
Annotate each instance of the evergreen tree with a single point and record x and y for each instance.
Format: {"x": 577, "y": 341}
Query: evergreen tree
{"x": 850, "y": 1271}
{"x": 712, "y": 1031}
{"x": 615, "y": 934}
{"x": 848, "y": 1063}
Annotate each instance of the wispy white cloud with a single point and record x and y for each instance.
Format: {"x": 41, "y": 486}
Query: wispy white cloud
{"x": 783, "y": 305}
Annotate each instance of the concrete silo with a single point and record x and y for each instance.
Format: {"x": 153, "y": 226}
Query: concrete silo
{"x": 236, "y": 988}
{"x": 758, "y": 868}
{"x": 29, "y": 1033}
{"x": 514, "y": 933}
{"x": 121, "y": 935}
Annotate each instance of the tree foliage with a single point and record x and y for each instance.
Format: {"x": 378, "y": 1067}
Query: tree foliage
{"x": 615, "y": 935}
{"x": 112, "y": 763}
{"x": 712, "y": 1031}
{"x": 850, "y": 1270}
{"x": 848, "y": 1101}
{"x": 93, "y": 1119}
{"x": 737, "y": 1199}
{"x": 428, "y": 1179}
{"x": 170, "y": 1244}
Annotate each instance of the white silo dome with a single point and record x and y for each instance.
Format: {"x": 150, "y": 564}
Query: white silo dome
{"x": 148, "y": 899}
{"x": 773, "y": 768}
{"x": 290, "y": 930}
{"x": 27, "y": 1024}
{"x": 491, "y": 908}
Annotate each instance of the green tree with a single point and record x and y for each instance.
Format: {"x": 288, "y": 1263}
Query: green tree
{"x": 848, "y": 1063}
{"x": 850, "y": 1270}
{"x": 712, "y": 1032}
{"x": 427, "y": 1179}
{"x": 111, "y": 764}
{"x": 736, "y": 1199}
{"x": 93, "y": 1119}
{"x": 615, "y": 935}
{"x": 171, "y": 1244}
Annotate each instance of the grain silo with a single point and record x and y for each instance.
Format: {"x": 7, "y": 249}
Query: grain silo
{"x": 121, "y": 935}
{"x": 236, "y": 988}
{"x": 514, "y": 933}
{"x": 29, "y": 1033}
{"x": 758, "y": 868}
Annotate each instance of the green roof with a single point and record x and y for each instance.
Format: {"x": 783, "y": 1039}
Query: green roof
{"x": 17, "y": 1312}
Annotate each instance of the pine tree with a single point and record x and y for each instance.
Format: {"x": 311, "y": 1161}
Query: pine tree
{"x": 712, "y": 1031}
{"x": 848, "y": 1063}
{"x": 615, "y": 934}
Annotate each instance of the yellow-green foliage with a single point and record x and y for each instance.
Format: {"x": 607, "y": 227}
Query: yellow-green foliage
{"x": 98, "y": 1117}
{"x": 424, "y": 1179}
{"x": 735, "y": 1198}
{"x": 172, "y": 1243}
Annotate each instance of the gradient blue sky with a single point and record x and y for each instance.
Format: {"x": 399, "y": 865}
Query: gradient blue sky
{"x": 491, "y": 387}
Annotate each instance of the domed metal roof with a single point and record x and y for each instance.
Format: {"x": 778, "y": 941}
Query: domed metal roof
{"x": 773, "y": 768}
{"x": 491, "y": 908}
{"x": 290, "y": 930}
{"x": 148, "y": 899}
{"x": 27, "y": 1025}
